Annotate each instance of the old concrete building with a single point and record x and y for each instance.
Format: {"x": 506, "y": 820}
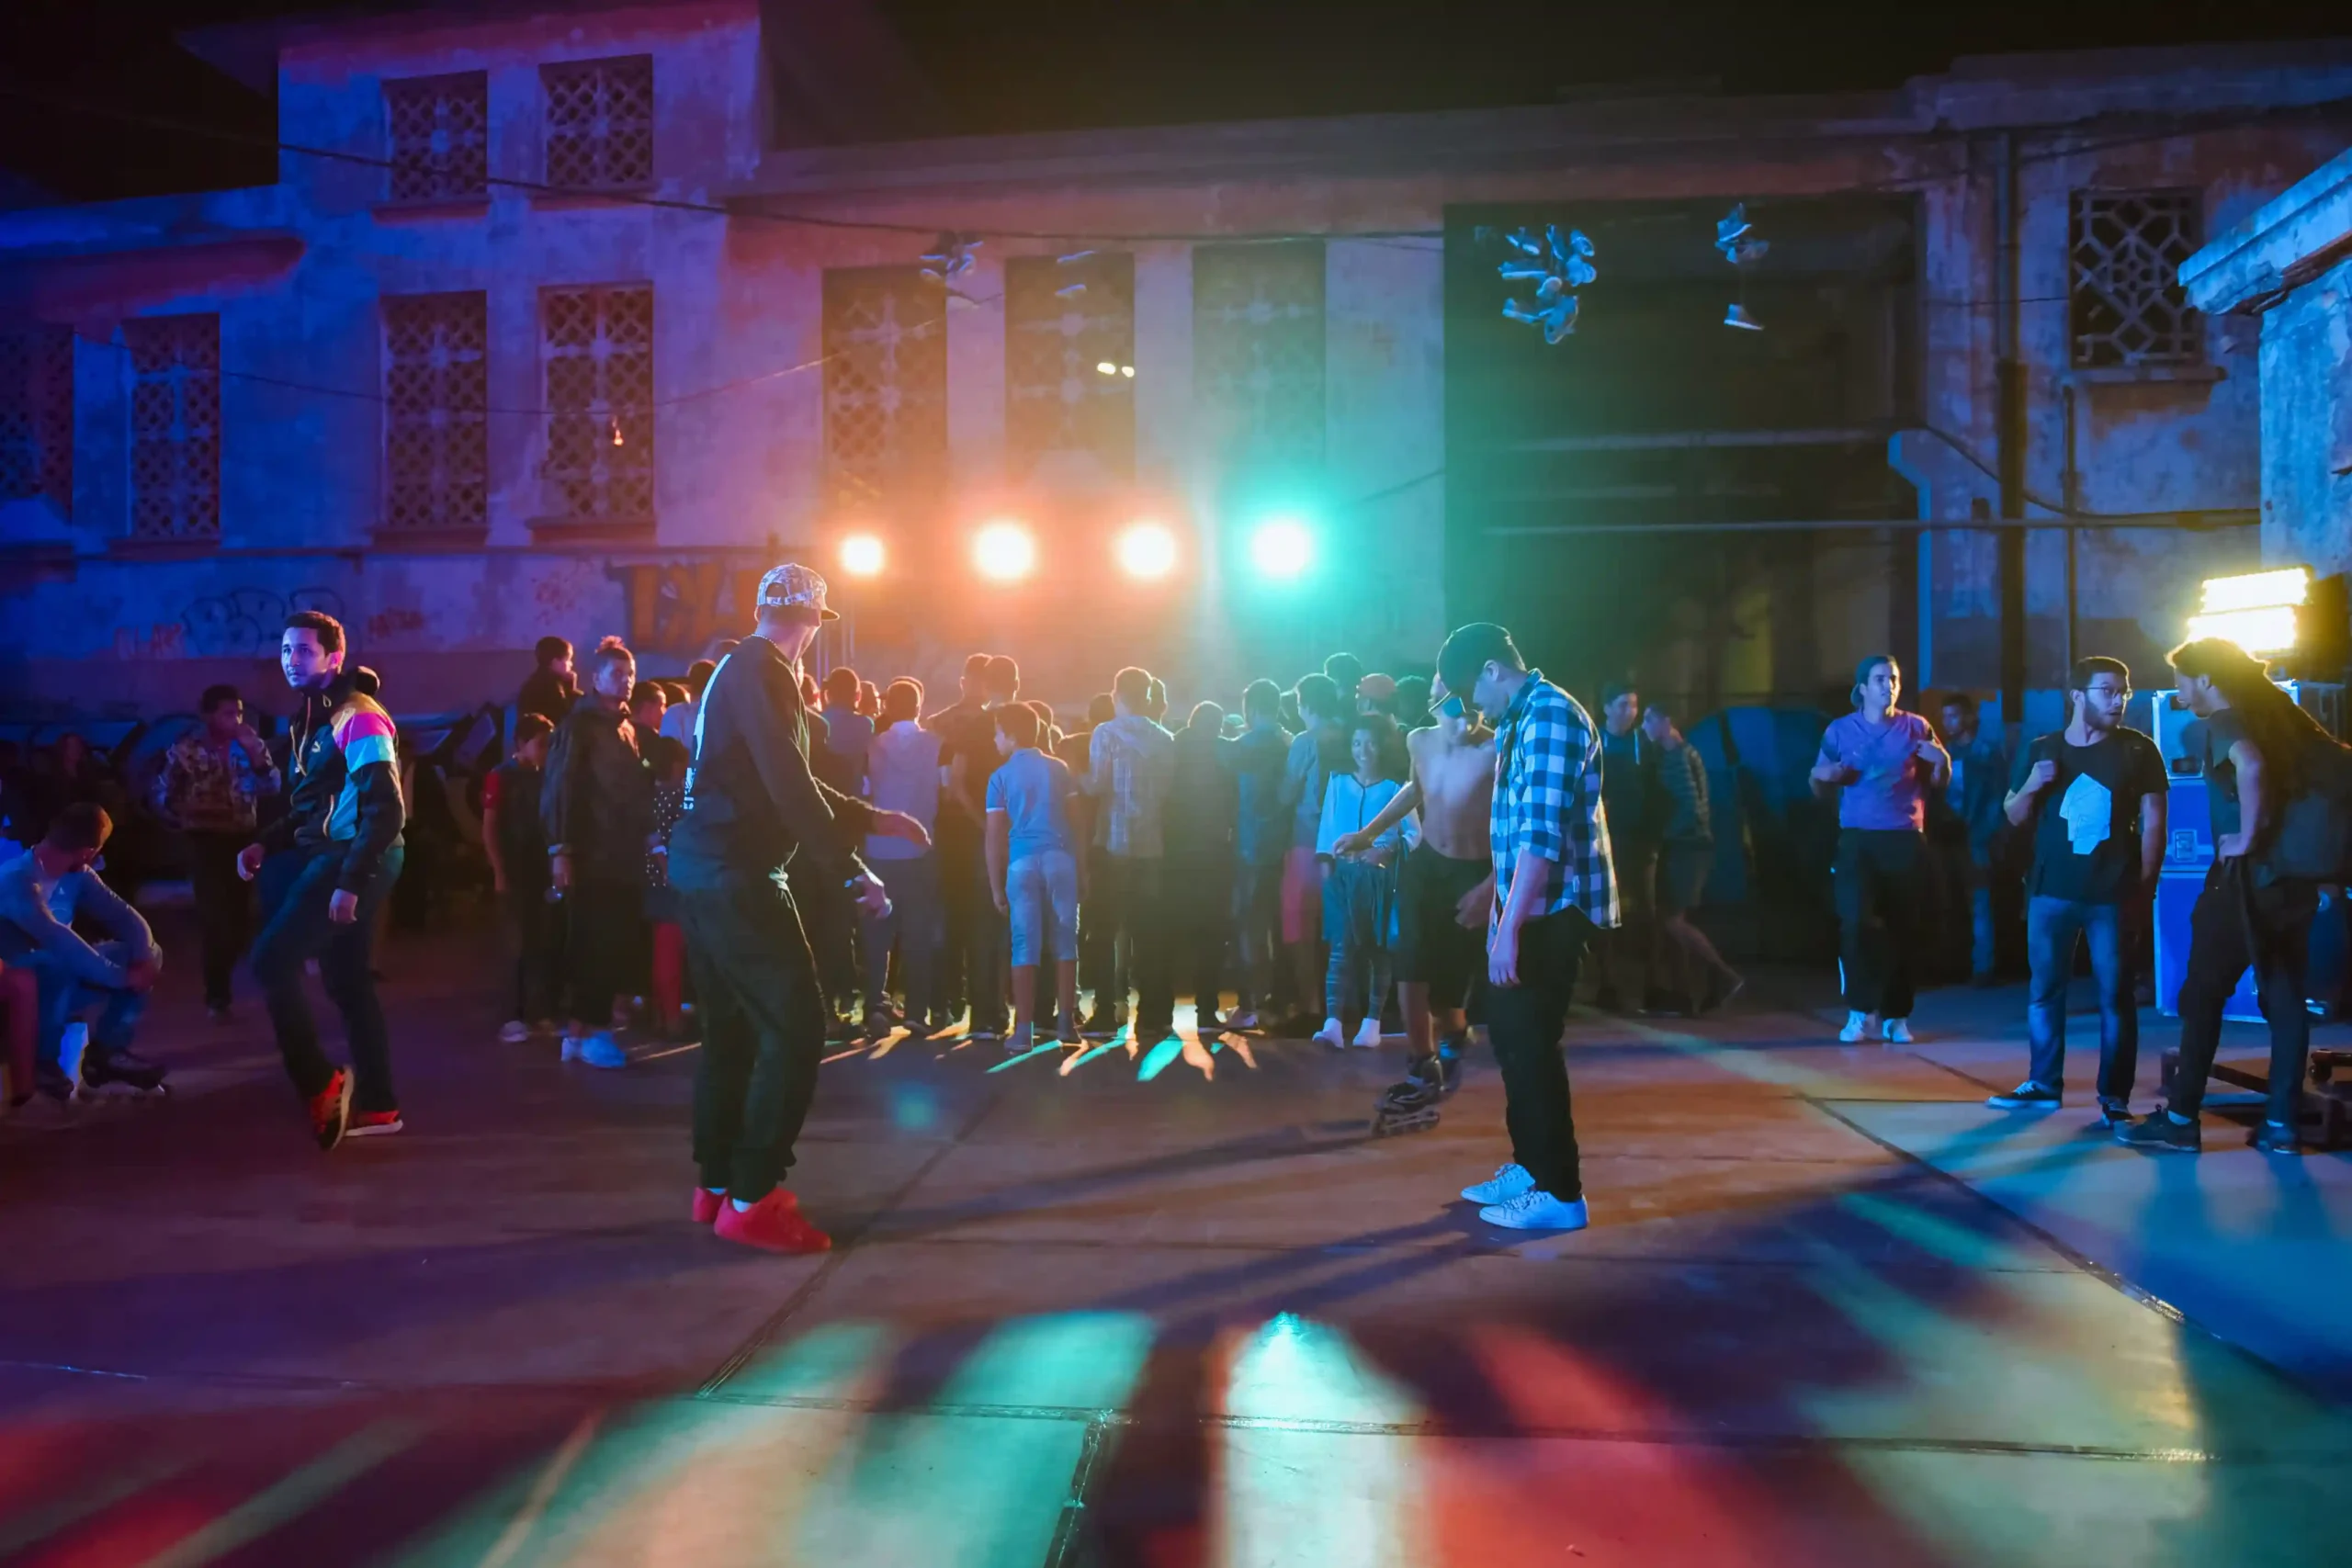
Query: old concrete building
{"x": 2290, "y": 265}
{"x": 566, "y": 317}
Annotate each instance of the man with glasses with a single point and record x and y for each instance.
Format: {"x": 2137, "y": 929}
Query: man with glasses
{"x": 2094, "y": 795}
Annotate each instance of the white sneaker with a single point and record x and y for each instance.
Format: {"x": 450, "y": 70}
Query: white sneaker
{"x": 514, "y": 1031}
{"x": 1536, "y": 1210}
{"x": 600, "y": 1050}
{"x": 1897, "y": 1031}
{"x": 1858, "y": 1027}
{"x": 1332, "y": 1035}
{"x": 1508, "y": 1182}
{"x": 1368, "y": 1037}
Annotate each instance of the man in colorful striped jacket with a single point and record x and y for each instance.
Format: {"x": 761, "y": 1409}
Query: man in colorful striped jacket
{"x": 325, "y": 866}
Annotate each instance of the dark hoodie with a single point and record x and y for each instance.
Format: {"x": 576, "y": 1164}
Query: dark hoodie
{"x": 595, "y": 797}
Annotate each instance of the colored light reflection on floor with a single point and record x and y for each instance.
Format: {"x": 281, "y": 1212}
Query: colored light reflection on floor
{"x": 1294, "y": 1482}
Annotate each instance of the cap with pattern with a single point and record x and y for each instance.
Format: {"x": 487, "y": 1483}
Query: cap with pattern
{"x": 793, "y": 585}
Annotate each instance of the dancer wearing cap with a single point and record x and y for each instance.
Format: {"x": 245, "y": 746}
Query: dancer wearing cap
{"x": 753, "y": 807}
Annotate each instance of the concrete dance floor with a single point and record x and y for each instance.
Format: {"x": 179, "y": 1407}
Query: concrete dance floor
{"x": 1171, "y": 1308}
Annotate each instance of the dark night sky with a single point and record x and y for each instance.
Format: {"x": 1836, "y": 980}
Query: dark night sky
{"x": 1032, "y": 64}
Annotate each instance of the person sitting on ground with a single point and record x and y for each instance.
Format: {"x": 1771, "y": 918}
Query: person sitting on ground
{"x": 43, "y": 893}
{"x": 1034, "y": 872}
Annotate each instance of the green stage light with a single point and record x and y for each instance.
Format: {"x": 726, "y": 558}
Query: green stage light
{"x": 1282, "y": 549}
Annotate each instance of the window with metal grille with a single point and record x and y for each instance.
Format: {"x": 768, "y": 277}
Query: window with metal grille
{"x": 36, "y": 415}
{"x": 1065, "y": 321}
{"x": 436, "y": 386}
{"x": 600, "y": 122}
{"x": 174, "y": 427}
{"x": 439, "y": 131}
{"x": 886, "y": 386}
{"x": 597, "y": 344}
{"x": 2125, "y": 306}
{"x": 1257, "y": 350}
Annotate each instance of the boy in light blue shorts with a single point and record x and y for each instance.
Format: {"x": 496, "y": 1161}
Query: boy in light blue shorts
{"x": 1034, "y": 871}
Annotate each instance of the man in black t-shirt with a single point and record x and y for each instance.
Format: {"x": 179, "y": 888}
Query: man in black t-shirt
{"x": 2093, "y": 795}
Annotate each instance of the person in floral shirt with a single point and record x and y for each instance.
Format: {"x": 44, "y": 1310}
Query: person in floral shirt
{"x": 210, "y": 786}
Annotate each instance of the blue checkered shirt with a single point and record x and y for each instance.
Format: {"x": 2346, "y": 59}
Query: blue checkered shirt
{"x": 1547, "y": 798}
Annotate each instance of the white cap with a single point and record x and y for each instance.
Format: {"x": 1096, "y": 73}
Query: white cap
{"x": 793, "y": 585}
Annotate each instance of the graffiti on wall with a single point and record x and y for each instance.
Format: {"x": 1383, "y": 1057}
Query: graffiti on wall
{"x": 681, "y": 607}
{"x": 247, "y": 623}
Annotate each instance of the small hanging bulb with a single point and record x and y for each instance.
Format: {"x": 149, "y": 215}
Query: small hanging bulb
{"x": 616, "y": 431}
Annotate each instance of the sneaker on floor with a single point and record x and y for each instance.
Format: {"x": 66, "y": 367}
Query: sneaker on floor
{"x": 1896, "y": 1031}
{"x": 1068, "y": 1033}
{"x": 1332, "y": 1035}
{"x": 772, "y": 1225}
{"x": 1536, "y": 1210}
{"x": 2276, "y": 1138}
{"x": 1858, "y": 1028}
{"x": 374, "y": 1124}
{"x": 2111, "y": 1117}
{"x": 597, "y": 1050}
{"x": 708, "y": 1204}
{"x": 102, "y": 1067}
{"x": 1242, "y": 1022}
{"x": 1205, "y": 1022}
{"x": 2160, "y": 1132}
{"x": 2027, "y": 1096}
{"x": 1508, "y": 1182}
{"x": 1020, "y": 1040}
{"x": 514, "y": 1031}
{"x": 331, "y": 1110}
{"x": 1368, "y": 1037}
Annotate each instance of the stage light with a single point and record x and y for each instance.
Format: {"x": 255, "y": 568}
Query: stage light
{"x": 2256, "y": 590}
{"x": 1147, "y": 550}
{"x": 2256, "y": 611}
{"x": 1282, "y": 547}
{"x": 862, "y": 556}
{"x": 1004, "y": 552}
{"x": 2261, "y": 631}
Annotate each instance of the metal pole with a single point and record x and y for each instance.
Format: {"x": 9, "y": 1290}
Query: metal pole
{"x": 2069, "y": 482}
{"x": 2010, "y": 414}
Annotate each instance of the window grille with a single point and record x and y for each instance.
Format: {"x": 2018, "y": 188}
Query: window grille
{"x": 436, "y": 386}
{"x": 600, "y": 123}
{"x": 174, "y": 426}
{"x": 886, "y": 386}
{"x": 598, "y": 346}
{"x": 36, "y": 415}
{"x": 439, "y": 129}
{"x": 2125, "y": 304}
{"x": 1258, "y": 349}
{"x": 1063, "y": 322}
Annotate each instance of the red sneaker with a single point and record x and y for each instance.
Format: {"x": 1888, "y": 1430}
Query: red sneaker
{"x": 373, "y": 1123}
{"x": 331, "y": 1110}
{"x": 708, "y": 1204}
{"x": 772, "y": 1225}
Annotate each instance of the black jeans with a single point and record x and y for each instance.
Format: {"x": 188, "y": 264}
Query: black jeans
{"x": 1525, "y": 1022}
{"x": 1126, "y": 899}
{"x": 531, "y": 939}
{"x": 296, "y": 888}
{"x": 605, "y": 947}
{"x": 764, "y": 1031}
{"x": 1199, "y": 894}
{"x": 2232, "y": 926}
{"x": 223, "y": 907}
{"x": 1879, "y": 886}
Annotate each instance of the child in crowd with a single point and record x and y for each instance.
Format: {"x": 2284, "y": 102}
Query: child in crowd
{"x": 514, "y": 839}
{"x": 666, "y": 759}
{"x": 1033, "y": 870}
{"x": 1360, "y": 893}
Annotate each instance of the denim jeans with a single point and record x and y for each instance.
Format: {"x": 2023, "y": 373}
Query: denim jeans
{"x": 296, "y": 885}
{"x": 2052, "y": 926}
{"x": 2231, "y": 926}
{"x": 65, "y": 997}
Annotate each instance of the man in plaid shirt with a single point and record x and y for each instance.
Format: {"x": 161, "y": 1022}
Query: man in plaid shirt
{"x": 1553, "y": 888}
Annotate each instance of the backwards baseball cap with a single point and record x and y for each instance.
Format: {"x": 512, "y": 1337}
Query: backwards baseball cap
{"x": 791, "y": 586}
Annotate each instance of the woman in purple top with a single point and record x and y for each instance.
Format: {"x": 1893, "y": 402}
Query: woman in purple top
{"x": 1882, "y": 761}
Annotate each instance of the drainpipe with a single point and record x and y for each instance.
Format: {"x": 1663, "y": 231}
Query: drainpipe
{"x": 2070, "y": 484}
{"x": 2010, "y": 414}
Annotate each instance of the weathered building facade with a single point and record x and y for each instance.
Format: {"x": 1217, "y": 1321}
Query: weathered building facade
{"x": 562, "y": 320}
